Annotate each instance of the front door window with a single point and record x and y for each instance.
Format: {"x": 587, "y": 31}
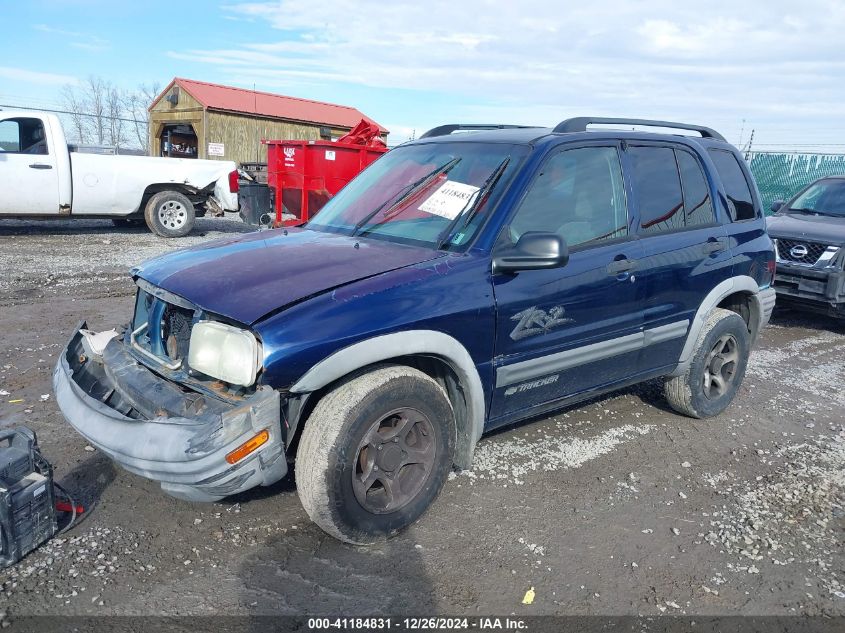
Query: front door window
{"x": 579, "y": 195}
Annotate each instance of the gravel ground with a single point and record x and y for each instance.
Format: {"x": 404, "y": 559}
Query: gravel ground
{"x": 617, "y": 506}
{"x": 91, "y": 253}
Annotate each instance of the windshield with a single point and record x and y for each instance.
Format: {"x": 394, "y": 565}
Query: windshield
{"x": 435, "y": 194}
{"x": 824, "y": 198}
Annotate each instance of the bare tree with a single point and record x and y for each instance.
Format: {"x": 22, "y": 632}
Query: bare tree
{"x": 99, "y": 112}
{"x": 136, "y": 103}
{"x": 96, "y": 89}
{"x": 114, "y": 117}
{"x": 73, "y": 103}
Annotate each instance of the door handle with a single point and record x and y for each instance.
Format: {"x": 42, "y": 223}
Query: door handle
{"x": 40, "y": 166}
{"x": 620, "y": 266}
{"x": 714, "y": 246}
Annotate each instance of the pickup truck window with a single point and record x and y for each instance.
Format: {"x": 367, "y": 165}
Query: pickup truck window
{"x": 579, "y": 195}
{"x": 23, "y": 136}
{"x": 435, "y": 194}
{"x": 9, "y": 136}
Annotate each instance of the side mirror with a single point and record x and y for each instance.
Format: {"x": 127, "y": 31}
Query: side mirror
{"x": 777, "y": 205}
{"x": 534, "y": 250}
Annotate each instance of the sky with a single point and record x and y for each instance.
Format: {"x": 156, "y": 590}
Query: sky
{"x": 776, "y": 67}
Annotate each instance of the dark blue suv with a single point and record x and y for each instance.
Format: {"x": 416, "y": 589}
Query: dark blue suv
{"x": 467, "y": 280}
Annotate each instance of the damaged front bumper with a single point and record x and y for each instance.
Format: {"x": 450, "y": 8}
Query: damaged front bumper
{"x": 157, "y": 429}
{"x": 817, "y": 289}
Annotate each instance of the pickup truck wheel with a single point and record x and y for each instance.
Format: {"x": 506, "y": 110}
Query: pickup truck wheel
{"x": 169, "y": 214}
{"x": 375, "y": 453}
{"x": 717, "y": 369}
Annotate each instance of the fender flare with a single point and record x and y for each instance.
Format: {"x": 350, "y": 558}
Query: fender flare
{"x": 761, "y": 309}
{"x": 410, "y": 343}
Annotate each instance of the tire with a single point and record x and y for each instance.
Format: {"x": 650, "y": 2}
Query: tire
{"x": 717, "y": 368}
{"x": 343, "y": 480}
{"x": 128, "y": 223}
{"x": 169, "y": 214}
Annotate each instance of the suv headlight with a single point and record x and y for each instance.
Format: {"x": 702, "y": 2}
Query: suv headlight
{"x": 221, "y": 351}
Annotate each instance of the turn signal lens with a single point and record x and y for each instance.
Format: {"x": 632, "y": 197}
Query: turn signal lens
{"x": 248, "y": 447}
{"x": 771, "y": 267}
{"x": 234, "y": 186}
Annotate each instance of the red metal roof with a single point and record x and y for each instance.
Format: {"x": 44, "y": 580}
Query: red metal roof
{"x": 268, "y": 104}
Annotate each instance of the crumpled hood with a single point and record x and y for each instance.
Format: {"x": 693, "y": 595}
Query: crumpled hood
{"x": 813, "y": 228}
{"x": 247, "y": 277}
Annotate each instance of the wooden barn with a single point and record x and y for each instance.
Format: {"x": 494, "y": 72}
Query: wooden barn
{"x": 195, "y": 119}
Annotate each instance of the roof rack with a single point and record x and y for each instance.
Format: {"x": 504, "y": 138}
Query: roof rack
{"x": 579, "y": 124}
{"x": 444, "y": 130}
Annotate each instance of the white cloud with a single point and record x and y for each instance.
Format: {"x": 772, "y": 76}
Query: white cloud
{"x": 94, "y": 46}
{"x": 774, "y": 63}
{"x": 400, "y": 133}
{"x": 46, "y": 28}
{"x": 35, "y": 77}
{"x": 77, "y": 39}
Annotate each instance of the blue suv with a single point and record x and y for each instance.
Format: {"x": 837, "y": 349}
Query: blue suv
{"x": 473, "y": 278}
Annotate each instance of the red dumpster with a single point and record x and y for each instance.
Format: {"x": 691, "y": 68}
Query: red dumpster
{"x": 305, "y": 174}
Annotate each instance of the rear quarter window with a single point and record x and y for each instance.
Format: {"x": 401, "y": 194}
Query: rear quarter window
{"x": 697, "y": 205}
{"x": 740, "y": 200}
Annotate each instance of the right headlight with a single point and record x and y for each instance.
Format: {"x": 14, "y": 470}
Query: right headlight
{"x": 221, "y": 351}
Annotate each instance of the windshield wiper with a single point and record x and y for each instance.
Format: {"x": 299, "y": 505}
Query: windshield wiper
{"x": 485, "y": 189}
{"x": 804, "y": 211}
{"x": 827, "y": 214}
{"x": 404, "y": 193}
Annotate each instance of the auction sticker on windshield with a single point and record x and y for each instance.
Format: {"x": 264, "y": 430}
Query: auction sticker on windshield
{"x": 449, "y": 200}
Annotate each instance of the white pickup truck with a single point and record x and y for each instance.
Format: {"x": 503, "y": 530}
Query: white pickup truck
{"x": 40, "y": 176}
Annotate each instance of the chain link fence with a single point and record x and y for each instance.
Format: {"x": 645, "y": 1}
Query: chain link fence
{"x": 780, "y": 176}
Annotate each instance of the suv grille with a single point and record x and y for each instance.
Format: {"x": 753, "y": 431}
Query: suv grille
{"x": 800, "y": 252}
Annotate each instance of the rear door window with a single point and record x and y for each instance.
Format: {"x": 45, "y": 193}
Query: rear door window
{"x": 740, "y": 200}
{"x": 658, "y": 188}
{"x": 698, "y": 208}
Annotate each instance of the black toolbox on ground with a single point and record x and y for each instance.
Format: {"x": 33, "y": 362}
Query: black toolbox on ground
{"x": 27, "y": 497}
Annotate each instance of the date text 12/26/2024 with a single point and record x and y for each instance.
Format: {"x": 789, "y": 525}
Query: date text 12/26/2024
{"x": 416, "y": 624}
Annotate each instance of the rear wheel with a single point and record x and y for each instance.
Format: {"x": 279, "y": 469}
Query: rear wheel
{"x": 375, "y": 453}
{"x": 717, "y": 368}
{"x": 169, "y": 214}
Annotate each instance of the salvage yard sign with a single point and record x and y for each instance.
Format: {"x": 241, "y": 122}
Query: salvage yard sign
{"x": 216, "y": 149}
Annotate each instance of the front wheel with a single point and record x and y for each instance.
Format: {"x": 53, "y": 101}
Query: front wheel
{"x": 169, "y": 214}
{"x": 717, "y": 368}
{"x": 375, "y": 453}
